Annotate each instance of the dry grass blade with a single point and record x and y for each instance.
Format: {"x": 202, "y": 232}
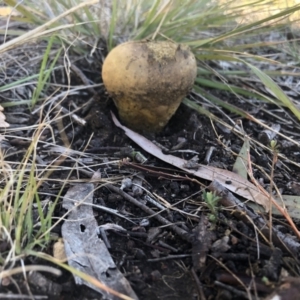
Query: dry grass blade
{"x": 278, "y": 93}
{"x": 18, "y": 270}
{"x": 80, "y": 274}
{"x": 281, "y": 209}
{"x": 44, "y": 29}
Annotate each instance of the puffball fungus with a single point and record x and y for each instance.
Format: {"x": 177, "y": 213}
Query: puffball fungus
{"x": 148, "y": 80}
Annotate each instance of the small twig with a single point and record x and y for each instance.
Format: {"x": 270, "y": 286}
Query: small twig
{"x": 178, "y": 256}
{"x": 227, "y": 199}
{"x": 62, "y": 131}
{"x": 74, "y": 116}
{"x": 167, "y": 246}
{"x": 182, "y": 233}
{"x": 233, "y": 290}
{"x": 83, "y": 78}
{"x": 155, "y": 171}
{"x": 19, "y": 296}
{"x": 274, "y": 160}
{"x": 280, "y": 209}
{"x": 198, "y": 284}
{"x": 247, "y": 289}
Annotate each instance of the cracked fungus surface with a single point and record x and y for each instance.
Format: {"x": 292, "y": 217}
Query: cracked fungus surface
{"x": 163, "y": 50}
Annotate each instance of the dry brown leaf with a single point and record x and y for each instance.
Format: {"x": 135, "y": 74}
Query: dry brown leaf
{"x": 233, "y": 182}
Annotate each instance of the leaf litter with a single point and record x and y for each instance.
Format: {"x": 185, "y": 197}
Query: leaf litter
{"x": 230, "y": 180}
{"x": 84, "y": 249}
{"x": 191, "y": 169}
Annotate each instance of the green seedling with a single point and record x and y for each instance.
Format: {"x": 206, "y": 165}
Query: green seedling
{"x": 211, "y": 200}
{"x": 274, "y": 146}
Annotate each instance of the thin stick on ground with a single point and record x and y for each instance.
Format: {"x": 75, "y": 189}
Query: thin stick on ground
{"x": 282, "y": 210}
{"x": 250, "y": 217}
{"x": 274, "y": 160}
{"x": 181, "y": 232}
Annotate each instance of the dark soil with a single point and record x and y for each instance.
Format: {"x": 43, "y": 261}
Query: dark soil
{"x": 220, "y": 259}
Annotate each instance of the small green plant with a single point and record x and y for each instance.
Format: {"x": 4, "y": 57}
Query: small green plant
{"x": 211, "y": 200}
{"x": 274, "y": 146}
{"x": 45, "y": 72}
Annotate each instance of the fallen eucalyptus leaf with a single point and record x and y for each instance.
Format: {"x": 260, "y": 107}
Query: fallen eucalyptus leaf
{"x": 85, "y": 251}
{"x": 292, "y": 204}
{"x": 240, "y": 166}
{"x": 233, "y": 182}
